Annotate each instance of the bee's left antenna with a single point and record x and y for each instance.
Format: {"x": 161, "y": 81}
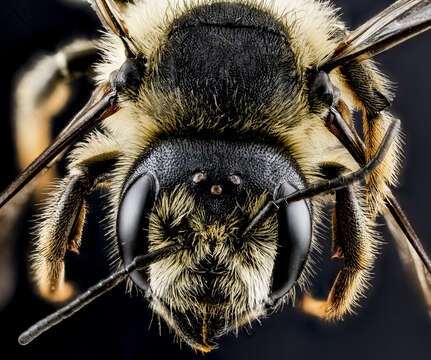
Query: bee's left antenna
{"x": 95, "y": 291}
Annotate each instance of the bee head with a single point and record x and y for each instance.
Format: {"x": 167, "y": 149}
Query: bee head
{"x": 204, "y": 193}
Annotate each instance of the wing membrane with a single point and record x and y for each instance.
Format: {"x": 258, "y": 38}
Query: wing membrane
{"x": 410, "y": 259}
{"x": 399, "y": 22}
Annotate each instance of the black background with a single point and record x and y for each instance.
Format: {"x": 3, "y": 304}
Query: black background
{"x": 392, "y": 322}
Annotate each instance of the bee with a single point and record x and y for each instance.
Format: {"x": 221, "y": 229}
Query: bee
{"x": 222, "y": 130}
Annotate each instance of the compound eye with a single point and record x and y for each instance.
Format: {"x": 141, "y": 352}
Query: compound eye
{"x": 294, "y": 240}
{"x": 136, "y": 204}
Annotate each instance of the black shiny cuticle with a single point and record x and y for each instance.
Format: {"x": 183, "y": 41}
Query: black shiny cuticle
{"x": 129, "y": 76}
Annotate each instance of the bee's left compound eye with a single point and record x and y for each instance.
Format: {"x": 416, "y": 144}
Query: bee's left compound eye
{"x": 294, "y": 240}
{"x": 137, "y": 202}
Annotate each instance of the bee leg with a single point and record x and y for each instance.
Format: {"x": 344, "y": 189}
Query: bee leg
{"x": 354, "y": 242}
{"x": 380, "y": 181}
{"x": 370, "y": 89}
{"x": 340, "y": 125}
{"x": 63, "y": 219}
{"x": 42, "y": 92}
{"x": 58, "y": 234}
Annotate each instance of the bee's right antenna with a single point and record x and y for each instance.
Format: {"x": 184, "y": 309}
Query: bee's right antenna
{"x": 94, "y": 292}
{"x": 332, "y": 184}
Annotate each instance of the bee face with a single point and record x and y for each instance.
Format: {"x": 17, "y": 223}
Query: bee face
{"x": 214, "y": 86}
{"x": 222, "y": 279}
{"x": 214, "y": 114}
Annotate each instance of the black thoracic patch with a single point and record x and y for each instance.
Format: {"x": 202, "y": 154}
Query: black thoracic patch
{"x": 228, "y": 54}
{"x": 261, "y": 169}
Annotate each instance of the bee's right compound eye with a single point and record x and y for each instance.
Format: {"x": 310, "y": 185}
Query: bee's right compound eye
{"x": 294, "y": 240}
{"x": 136, "y": 203}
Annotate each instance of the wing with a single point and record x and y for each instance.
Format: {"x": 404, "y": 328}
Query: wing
{"x": 410, "y": 259}
{"x": 399, "y": 22}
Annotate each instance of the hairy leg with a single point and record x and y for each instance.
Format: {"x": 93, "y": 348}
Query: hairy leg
{"x": 371, "y": 91}
{"x": 355, "y": 242}
{"x": 43, "y": 90}
{"x": 64, "y": 214}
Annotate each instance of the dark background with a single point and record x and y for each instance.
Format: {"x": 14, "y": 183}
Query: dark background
{"x": 392, "y": 322}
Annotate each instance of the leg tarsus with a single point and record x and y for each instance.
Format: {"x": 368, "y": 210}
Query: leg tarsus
{"x": 55, "y": 235}
{"x": 354, "y": 239}
{"x": 312, "y": 306}
{"x": 42, "y": 92}
{"x": 64, "y": 217}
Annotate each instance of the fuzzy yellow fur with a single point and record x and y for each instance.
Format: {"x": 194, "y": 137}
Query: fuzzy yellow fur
{"x": 311, "y": 26}
{"x": 303, "y": 133}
